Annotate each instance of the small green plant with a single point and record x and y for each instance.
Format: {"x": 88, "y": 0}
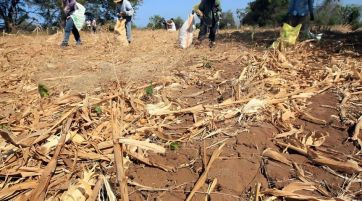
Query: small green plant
{"x": 98, "y": 110}
{"x": 4, "y": 127}
{"x": 175, "y": 146}
{"x": 207, "y": 64}
{"x": 43, "y": 90}
{"x": 149, "y": 90}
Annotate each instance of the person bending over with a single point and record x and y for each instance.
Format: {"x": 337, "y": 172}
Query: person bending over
{"x": 125, "y": 11}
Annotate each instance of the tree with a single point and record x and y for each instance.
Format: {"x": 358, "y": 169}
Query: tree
{"x": 156, "y": 22}
{"x": 351, "y": 14}
{"x": 266, "y": 12}
{"x": 227, "y": 20}
{"x": 50, "y": 12}
{"x": 274, "y": 12}
{"x": 10, "y": 13}
{"x": 333, "y": 13}
{"x": 179, "y": 22}
{"x": 105, "y": 10}
{"x": 241, "y": 13}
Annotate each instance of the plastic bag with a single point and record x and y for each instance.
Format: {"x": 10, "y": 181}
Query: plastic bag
{"x": 186, "y": 33}
{"x": 78, "y": 16}
{"x": 120, "y": 31}
{"x": 288, "y": 36}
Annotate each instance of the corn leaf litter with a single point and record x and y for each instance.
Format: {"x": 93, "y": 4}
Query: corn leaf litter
{"x": 159, "y": 108}
{"x": 290, "y": 191}
{"x": 82, "y": 189}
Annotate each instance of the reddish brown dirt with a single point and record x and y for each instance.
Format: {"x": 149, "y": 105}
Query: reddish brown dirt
{"x": 240, "y": 167}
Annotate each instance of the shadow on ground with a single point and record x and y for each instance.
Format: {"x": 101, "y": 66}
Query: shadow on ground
{"x": 250, "y": 38}
{"x": 334, "y": 42}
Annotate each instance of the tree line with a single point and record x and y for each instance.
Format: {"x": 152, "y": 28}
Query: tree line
{"x": 48, "y": 13}
{"x": 227, "y": 21}
{"x": 25, "y": 14}
{"x": 275, "y": 12}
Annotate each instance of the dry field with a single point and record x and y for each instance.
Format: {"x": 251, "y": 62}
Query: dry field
{"x": 155, "y": 122}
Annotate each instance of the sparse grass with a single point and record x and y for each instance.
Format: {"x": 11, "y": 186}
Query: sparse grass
{"x": 149, "y": 90}
{"x": 207, "y": 63}
{"x": 174, "y": 146}
{"x": 43, "y": 90}
{"x": 4, "y": 127}
{"x": 98, "y": 110}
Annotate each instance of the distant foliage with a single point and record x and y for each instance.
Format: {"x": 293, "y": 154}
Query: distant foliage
{"x": 156, "y": 22}
{"x": 336, "y": 14}
{"x": 179, "y": 22}
{"x": 49, "y": 13}
{"x": 12, "y": 12}
{"x": 275, "y": 12}
{"x": 266, "y": 12}
{"x": 241, "y": 13}
{"x": 227, "y": 20}
{"x": 159, "y": 22}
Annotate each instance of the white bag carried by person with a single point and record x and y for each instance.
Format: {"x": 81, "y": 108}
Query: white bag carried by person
{"x": 186, "y": 32}
{"x": 78, "y": 16}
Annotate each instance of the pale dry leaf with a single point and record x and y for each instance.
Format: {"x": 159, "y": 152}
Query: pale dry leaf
{"x": 143, "y": 145}
{"x": 269, "y": 153}
{"x": 82, "y": 189}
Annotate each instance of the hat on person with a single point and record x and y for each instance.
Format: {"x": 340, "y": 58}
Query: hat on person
{"x": 117, "y": 1}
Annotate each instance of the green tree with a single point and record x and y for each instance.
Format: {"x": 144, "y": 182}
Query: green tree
{"x": 227, "y": 20}
{"x": 266, "y": 12}
{"x": 156, "y": 22}
{"x": 241, "y": 13}
{"x": 50, "y": 12}
{"x": 179, "y": 22}
{"x": 333, "y": 13}
{"x": 12, "y": 12}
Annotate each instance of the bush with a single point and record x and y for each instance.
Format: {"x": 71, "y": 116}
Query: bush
{"x": 335, "y": 14}
{"x": 227, "y": 20}
{"x": 179, "y": 22}
{"x": 275, "y": 12}
{"x": 156, "y": 22}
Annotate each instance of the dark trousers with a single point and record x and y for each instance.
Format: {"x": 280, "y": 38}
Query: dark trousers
{"x": 204, "y": 28}
{"x": 70, "y": 27}
{"x": 295, "y": 20}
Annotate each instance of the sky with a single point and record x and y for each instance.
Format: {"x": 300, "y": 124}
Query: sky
{"x": 174, "y": 8}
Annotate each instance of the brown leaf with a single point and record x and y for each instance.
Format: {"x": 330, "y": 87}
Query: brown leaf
{"x": 4, "y": 193}
{"x": 269, "y": 153}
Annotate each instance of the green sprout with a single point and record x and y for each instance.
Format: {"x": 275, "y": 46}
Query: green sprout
{"x": 43, "y": 90}
{"x": 175, "y": 146}
{"x": 98, "y": 110}
{"x": 207, "y": 64}
{"x": 4, "y": 127}
{"x": 149, "y": 90}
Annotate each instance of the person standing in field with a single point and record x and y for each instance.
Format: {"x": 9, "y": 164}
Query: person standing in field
{"x": 209, "y": 12}
{"x": 69, "y": 8}
{"x": 125, "y": 11}
{"x": 94, "y": 25}
{"x": 171, "y": 26}
{"x": 299, "y": 11}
